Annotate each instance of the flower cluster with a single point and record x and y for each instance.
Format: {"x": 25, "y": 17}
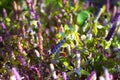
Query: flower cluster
{"x": 107, "y": 76}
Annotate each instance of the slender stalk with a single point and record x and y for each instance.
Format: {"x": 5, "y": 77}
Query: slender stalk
{"x": 40, "y": 40}
{"x": 53, "y": 71}
{"x": 108, "y": 5}
{"x": 78, "y": 59}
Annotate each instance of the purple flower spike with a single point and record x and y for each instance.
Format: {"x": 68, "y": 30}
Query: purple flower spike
{"x": 64, "y": 75}
{"x": 92, "y": 76}
{"x": 110, "y": 33}
{"x": 4, "y": 13}
{"x": 57, "y": 47}
{"x": 106, "y": 73}
{"x": 115, "y": 18}
{"x": 17, "y": 75}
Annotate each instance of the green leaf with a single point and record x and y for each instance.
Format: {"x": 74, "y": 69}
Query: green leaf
{"x": 66, "y": 27}
{"x": 90, "y": 43}
{"x": 8, "y": 19}
{"x": 86, "y": 52}
{"x": 109, "y": 63}
{"x": 2, "y": 70}
{"x": 60, "y": 4}
{"x": 70, "y": 68}
{"x": 83, "y": 37}
{"x": 103, "y": 9}
{"x": 84, "y": 72}
{"x": 66, "y": 63}
{"x": 106, "y": 44}
{"x": 60, "y": 78}
{"x": 95, "y": 30}
{"x": 82, "y": 16}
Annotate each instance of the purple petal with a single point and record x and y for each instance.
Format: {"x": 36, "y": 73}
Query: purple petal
{"x": 4, "y": 13}
{"x": 1, "y": 39}
{"x": 22, "y": 60}
{"x": 92, "y": 76}
{"x": 26, "y": 77}
{"x": 64, "y": 75}
{"x": 28, "y": 1}
{"x": 106, "y": 54}
{"x": 32, "y": 13}
{"x": 4, "y": 27}
{"x": 115, "y": 18}
{"x": 106, "y": 73}
{"x": 110, "y": 33}
{"x": 21, "y": 23}
{"x": 33, "y": 67}
{"x": 108, "y": 5}
{"x": 16, "y": 73}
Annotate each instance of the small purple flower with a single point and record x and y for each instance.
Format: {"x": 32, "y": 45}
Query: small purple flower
{"x": 29, "y": 1}
{"x": 110, "y": 33}
{"x": 16, "y": 73}
{"x": 33, "y": 67}
{"x": 4, "y": 13}
{"x": 119, "y": 75}
{"x": 64, "y": 75}
{"x": 36, "y": 70}
{"x": 117, "y": 49}
{"x": 57, "y": 46}
{"x": 92, "y": 76}
{"x": 38, "y": 24}
{"x": 21, "y": 23}
{"x": 1, "y": 39}
{"x": 22, "y": 60}
{"x": 26, "y": 77}
{"x": 107, "y": 55}
{"x": 32, "y": 13}
{"x": 4, "y": 28}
